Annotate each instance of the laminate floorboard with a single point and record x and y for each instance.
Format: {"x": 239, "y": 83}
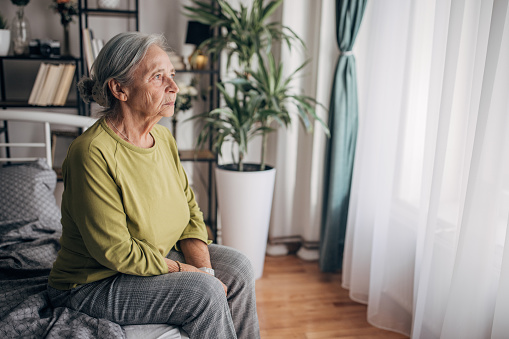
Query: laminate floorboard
{"x": 295, "y": 300}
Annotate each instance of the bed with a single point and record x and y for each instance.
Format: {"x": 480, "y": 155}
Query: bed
{"x": 29, "y": 241}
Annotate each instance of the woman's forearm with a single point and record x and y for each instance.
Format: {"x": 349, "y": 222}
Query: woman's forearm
{"x": 196, "y": 252}
{"x": 197, "y": 255}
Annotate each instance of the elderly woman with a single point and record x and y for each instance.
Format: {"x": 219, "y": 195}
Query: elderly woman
{"x": 134, "y": 244}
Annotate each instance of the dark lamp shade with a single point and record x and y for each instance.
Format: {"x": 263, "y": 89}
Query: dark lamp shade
{"x": 197, "y": 32}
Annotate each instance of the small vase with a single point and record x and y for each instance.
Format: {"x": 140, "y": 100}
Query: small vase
{"x": 65, "y": 50}
{"x": 20, "y": 32}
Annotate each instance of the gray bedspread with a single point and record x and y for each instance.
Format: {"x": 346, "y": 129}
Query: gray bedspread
{"x": 27, "y": 252}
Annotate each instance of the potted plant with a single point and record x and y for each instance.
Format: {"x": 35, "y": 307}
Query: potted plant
{"x": 5, "y": 37}
{"x": 242, "y": 32}
{"x": 256, "y": 102}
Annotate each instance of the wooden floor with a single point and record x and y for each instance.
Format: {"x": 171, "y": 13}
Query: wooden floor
{"x": 295, "y": 300}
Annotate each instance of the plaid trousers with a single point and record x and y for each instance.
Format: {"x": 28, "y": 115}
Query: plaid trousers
{"x": 194, "y": 301}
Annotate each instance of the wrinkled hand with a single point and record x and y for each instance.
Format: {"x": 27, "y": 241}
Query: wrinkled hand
{"x": 189, "y": 268}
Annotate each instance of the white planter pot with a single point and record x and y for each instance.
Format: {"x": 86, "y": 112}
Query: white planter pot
{"x": 245, "y": 201}
{"x": 5, "y": 41}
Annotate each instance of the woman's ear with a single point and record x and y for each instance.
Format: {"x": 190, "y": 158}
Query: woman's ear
{"x": 117, "y": 90}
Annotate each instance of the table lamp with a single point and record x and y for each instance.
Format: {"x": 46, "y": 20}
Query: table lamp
{"x": 196, "y": 34}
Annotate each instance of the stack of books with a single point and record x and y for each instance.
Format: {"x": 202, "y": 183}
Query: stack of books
{"x": 91, "y": 47}
{"x": 52, "y": 84}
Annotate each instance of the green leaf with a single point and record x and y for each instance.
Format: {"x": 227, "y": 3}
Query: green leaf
{"x": 271, "y": 7}
{"x": 290, "y": 77}
{"x": 230, "y": 11}
{"x": 204, "y": 5}
{"x": 304, "y": 119}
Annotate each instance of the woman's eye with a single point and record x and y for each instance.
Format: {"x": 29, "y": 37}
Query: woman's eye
{"x": 172, "y": 76}
{"x": 158, "y": 76}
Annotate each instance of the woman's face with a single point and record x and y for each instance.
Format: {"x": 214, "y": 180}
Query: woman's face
{"x": 153, "y": 91}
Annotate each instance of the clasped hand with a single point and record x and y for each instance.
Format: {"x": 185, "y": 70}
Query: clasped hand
{"x": 188, "y": 268}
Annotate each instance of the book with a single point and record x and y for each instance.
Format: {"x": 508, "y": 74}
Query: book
{"x": 48, "y": 84}
{"x": 87, "y": 47}
{"x": 95, "y": 48}
{"x": 39, "y": 80}
{"x": 64, "y": 85}
{"x": 57, "y": 76}
{"x": 97, "y": 45}
{"x": 100, "y": 43}
{"x": 43, "y": 86}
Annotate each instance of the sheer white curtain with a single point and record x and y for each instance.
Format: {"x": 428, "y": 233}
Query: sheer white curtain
{"x": 298, "y": 156}
{"x": 426, "y": 239}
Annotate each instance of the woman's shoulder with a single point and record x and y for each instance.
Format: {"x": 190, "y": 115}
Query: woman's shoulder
{"x": 93, "y": 139}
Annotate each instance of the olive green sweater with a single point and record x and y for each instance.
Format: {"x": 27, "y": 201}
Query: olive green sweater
{"x": 123, "y": 207}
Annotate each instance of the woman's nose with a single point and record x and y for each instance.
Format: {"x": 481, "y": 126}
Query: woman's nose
{"x": 172, "y": 85}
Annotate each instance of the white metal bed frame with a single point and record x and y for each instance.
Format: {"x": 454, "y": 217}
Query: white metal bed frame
{"x": 45, "y": 118}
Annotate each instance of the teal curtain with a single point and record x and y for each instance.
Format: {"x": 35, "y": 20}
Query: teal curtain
{"x": 343, "y": 113}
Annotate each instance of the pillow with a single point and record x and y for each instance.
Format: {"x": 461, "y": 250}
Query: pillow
{"x": 26, "y": 192}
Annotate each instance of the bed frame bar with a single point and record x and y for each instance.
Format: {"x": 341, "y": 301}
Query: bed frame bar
{"x": 46, "y": 118}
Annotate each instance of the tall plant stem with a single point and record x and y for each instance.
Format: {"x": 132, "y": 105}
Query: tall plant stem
{"x": 241, "y": 148}
{"x": 233, "y": 154}
{"x": 241, "y": 162}
{"x": 265, "y": 137}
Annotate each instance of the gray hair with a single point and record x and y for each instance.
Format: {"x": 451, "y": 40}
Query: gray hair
{"x": 118, "y": 60}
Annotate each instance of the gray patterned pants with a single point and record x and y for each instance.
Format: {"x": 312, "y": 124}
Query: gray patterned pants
{"x": 194, "y": 301}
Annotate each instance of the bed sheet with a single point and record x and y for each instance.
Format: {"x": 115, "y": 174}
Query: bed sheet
{"x": 27, "y": 251}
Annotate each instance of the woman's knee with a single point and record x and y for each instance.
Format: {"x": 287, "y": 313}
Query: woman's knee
{"x": 208, "y": 291}
{"x": 244, "y": 265}
{"x": 232, "y": 264}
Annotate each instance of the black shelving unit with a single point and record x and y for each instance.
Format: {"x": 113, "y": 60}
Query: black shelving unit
{"x": 86, "y": 12}
{"x": 6, "y": 102}
{"x": 207, "y": 156}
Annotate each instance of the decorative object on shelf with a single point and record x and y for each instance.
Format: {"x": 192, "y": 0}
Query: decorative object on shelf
{"x": 67, "y": 9}
{"x": 196, "y": 34}
{"x": 108, "y": 4}
{"x": 20, "y": 29}
{"x": 46, "y": 48}
{"x": 259, "y": 102}
{"x": 184, "y": 102}
{"x": 177, "y": 61}
{"x": 65, "y": 43}
{"x": 5, "y": 37}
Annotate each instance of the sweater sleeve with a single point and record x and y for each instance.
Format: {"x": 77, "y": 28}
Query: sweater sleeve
{"x": 98, "y": 212}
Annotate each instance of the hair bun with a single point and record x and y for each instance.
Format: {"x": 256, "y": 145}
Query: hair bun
{"x": 91, "y": 90}
{"x": 85, "y": 87}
